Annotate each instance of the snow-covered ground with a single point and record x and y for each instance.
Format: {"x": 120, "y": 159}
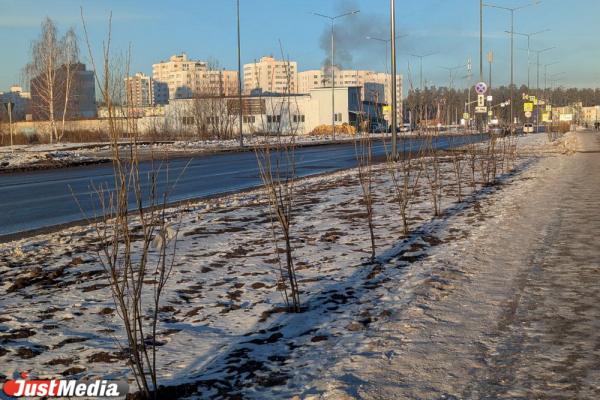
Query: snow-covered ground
{"x": 221, "y": 319}
{"x": 71, "y": 154}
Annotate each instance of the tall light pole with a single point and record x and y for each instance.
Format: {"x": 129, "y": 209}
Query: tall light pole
{"x": 394, "y": 85}
{"x": 546, "y": 74}
{"x": 386, "y": 42}
{"x": 538, "y": 52}
{"x": 239, "y": 56}
{"x": 512, "y": 46}
{"x": 332, "y": 20}
{"x": 421, "y": 57}
{"x": 528, "y": 36}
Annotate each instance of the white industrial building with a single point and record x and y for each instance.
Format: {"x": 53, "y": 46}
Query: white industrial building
{"x": 297, "y": 113}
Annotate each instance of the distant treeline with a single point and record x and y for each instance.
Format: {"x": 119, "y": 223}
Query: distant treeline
{"x": 442, "y": 103}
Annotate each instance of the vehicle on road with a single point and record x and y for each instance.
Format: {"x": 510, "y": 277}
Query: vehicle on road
{"x": 528, "y": 128}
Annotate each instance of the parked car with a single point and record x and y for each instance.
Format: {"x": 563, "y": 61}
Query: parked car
{"x": 496, "y": 130}
{"x": 528, "y": 128}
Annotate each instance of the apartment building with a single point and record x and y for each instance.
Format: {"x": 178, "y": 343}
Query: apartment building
{"x": 182, "y": 78}
{"x": 271, "y": 76}
{"x": 81, "y": 102}
{"x": 590, "y": 115}
{"x": 140, "y": 90}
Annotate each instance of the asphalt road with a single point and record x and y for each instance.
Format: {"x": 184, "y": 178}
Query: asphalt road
{"x": 40, "y": 199}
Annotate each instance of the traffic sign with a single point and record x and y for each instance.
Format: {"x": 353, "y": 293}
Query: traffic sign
{"x": 481, "y": 110}
{"x": 528, "y": 107}
{"x": 481, "y": 88}
{"x": 528, "y": 114}
{"x": 490, "y": 113}
{"x": 466, "y": 116}
{"x": 490, "y": 99}
{"x": 480, "y": 100}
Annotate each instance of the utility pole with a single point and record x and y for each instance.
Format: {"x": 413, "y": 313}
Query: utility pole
{"x": 332, "y": 59}
{"x": 239, "y": 56}
{"x": 394, "y": 86}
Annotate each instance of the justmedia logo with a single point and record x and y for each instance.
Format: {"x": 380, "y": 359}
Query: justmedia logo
{"x": 56, "y": 388}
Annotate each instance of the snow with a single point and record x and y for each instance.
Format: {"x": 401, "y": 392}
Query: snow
{"x": 220, "y": 317}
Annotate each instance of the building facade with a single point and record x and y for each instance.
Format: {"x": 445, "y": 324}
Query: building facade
{"x": 79, "y": 103}
{"x": 320, "y": 78}
{"x": 269, "y": 75}
{"x": 182, "y": 78}
{"x": 287, "y": 114}
{"x": 139, "y": 90}
{"x": 21, "y": 103}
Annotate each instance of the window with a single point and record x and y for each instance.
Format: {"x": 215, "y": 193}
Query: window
{"x": 188, "y": 120}
{"x": 298, "y": 118}
{"x": 273, "y": 119}
{"x": 249, "y": 119}
{"x": 337, "y": 117}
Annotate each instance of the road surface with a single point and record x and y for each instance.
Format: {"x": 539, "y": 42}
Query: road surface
{"x": 39, "y": 199}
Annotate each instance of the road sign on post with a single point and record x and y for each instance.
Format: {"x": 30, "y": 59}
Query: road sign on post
{"x": 481, "y": 88}
{"x": 480, "y": 100}
{"x": 481, "y": 110}
{"x": 528, "y": 107}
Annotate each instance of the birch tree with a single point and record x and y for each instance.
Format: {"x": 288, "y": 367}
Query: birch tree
{"x": 52, "y": 72}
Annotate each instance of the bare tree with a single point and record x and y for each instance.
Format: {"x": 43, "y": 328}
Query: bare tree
{"x": 363, "y": 148}
{"x": 404, "y": 173}
{"x": 70, "y": 58}
{"x": 46, "y": 57}
{"x": 277, "y": 166}
{"x": 431, "y": 167}
{"x": 137, "y": 238}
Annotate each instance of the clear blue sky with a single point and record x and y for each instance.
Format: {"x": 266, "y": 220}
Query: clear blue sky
{"x": 205, "y": 29}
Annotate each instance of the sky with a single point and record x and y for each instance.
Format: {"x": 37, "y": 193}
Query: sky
{"x": 206, "y": 30}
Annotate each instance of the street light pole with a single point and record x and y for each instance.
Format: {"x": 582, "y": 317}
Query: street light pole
{"x": 394, "y": 86}
{"x": 239, "y": 56}
{"x": 386, "y": 42}
{"x": 546, "y": 74}
{"x": 332, "y": 64}
{"x": 538, "y": 52}
{"x": 512, "y": 48}
{"x": 528, "y": 36}
{"x": 421, "y": 57}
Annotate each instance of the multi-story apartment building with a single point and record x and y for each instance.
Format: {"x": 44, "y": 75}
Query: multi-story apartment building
{"x": 139, "y": 90}
{"x": 20, "y": 100}
{"x": 320, "y": 78}
{"x": 81, "y": 100}
{"x": 271, "y": 76}
{"x": 182, "y": 78}
{"x": 590, "y": 115}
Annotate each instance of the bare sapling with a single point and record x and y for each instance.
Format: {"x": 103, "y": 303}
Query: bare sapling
{"x": 472, "y": 150}
{"x": 277, "y": 166}
{"x": 457, "y": 158}
{"x": 364, "y": 156}
{"x": 431, "y": 167}
{"x": 137, "y": 238}
{"x": 404, "y": 174}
